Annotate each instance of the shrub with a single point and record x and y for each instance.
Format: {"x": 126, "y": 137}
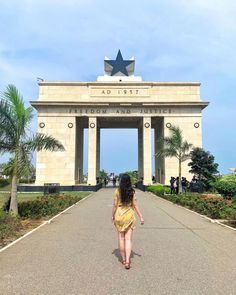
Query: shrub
{"x": 26, "y": 180}
{"x": 4, "y": 182}
{"x": 9, "y": 225}
{"x": 227, "y": 212}
{"x": 6, "y": 205}
{"x": 214, "y": 207}
{"x": 46, "y": 205}
{"x": 226, "y": 186}
{"x": 159, "y": 190}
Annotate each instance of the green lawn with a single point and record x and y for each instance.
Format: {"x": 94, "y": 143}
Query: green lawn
{"x": 32, "y": 196}
{"x": 5, "y": 188}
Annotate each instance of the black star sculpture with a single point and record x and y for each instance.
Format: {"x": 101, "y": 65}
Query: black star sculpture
{"x": 119, "y": 64}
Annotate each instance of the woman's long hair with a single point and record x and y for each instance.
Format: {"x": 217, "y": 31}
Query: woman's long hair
{"x": 126, "y": 190}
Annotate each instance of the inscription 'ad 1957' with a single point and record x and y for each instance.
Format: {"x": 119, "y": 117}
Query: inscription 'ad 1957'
{"x": 119, "y": 92}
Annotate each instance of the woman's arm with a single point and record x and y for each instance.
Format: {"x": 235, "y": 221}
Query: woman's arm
{"x": 114, "y": 207}
{"x": 135, "y": 205}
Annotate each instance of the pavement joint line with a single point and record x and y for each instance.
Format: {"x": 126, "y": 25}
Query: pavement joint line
{"x": 204, "y": 216}
{"x": 42, "y": 224}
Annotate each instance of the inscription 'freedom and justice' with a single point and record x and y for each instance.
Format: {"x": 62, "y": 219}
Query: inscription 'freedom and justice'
{"x": 120, "y": 111}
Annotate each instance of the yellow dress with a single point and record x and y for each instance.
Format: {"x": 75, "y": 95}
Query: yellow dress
{"x": 124, "y": 215}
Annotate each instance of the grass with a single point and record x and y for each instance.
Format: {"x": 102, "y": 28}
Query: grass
{"x": 21, "y": 197}
{"x": 5, "y": 188}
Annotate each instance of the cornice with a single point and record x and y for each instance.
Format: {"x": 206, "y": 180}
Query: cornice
{"x": 122, "y": 83}
{"x": 37, "y": 104}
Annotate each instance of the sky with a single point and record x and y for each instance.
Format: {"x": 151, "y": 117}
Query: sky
{"x": 171, "y": 41}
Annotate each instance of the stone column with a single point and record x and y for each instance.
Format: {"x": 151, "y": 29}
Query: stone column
{"x": 59, "y": 166}
{"x": 157, "y": 171}
{"x": 98, "y": 152}
{"x": 80, "y": 153}
{"x": 147, "y": 151}
{"x": 159, "y": 161}
{"x": 92, "y": 150}
{"x": 140, "y": 151}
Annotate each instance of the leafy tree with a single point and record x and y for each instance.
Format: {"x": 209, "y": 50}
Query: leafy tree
{"x": 175, "y": 146}
{"x": 203, "y": 166}
{"x": 14, "y": 124}
{"x": 226, "y": 186}
{"x": 103, "y": 174}
{"x": 133, "y": 176}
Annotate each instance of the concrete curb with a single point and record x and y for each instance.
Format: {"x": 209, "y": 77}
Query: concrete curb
{"x": 44, "y": 223}
{"x": 204, "y": 216}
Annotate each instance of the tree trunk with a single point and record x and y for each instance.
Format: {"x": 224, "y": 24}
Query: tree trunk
{"x": 13, "y": 204}
{"x": 180, "y": 176}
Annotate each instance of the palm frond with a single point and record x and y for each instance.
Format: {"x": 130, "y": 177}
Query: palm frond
{"x": 167, "y": 152}
{"x": 187, "y": 146}
{"x": 8, "y": 123}
{"x": 12, "y": 95}
{"x": 174, "y": 145}
{"x": 28, "y": 115}
{"x": 6, "y": 147}
{"x": 18, "y": 112}
{"x": 42, "y": 141}
{"x": 176, "y": 135}
{"x": 185, "y": 157}
{"x": 23, "y": 161}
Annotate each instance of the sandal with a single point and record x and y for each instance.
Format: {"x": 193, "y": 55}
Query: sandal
{"x": 127, "y": 265}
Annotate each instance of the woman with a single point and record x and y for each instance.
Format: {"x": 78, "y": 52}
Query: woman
{"x": 123, "y": 216}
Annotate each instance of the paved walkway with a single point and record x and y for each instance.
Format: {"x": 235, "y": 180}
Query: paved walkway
{"x": 175, "y": 252}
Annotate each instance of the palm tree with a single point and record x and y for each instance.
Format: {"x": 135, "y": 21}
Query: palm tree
{"x": 14, "y": 124}
{"x": 27, "y": 173}
{"x": 175, "y": 146}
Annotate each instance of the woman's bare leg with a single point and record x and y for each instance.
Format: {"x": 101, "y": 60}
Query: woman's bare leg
{"x": 128, "y": 244}
{"x": 121, "y": 242}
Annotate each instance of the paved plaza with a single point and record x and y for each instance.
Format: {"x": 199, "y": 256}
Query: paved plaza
{"x": 175, "y": 252}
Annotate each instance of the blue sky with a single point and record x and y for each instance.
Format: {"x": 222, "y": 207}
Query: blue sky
{"x": 171, "y": 41}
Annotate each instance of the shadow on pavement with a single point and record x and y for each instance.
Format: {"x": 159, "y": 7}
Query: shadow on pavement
{"x": 116, "y": 253}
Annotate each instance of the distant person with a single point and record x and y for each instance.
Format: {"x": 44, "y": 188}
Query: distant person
{"x": 184, "y": 184}
{"x": 194, "y": 184}
{"x": 194, "y": 179}
{"x": 123, "y": 216}
{"x": 153, "y": 179}
{"x": 177, "y": 185}
{"x": 105, "y": 181}
{"x": 172, "y": 185}
{"x": 114, "y": 181}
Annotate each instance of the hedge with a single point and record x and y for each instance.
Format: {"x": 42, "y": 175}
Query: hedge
{"x": 9, "y": 225}
{"x": 226, "y": 186}
{"x": 4, "y": 182}
{"x": 46, "y": 205}
{"x": 158, "y": 189}
{"x": 213, "y": 207}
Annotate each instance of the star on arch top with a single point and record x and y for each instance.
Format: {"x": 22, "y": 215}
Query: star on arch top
{"x": 119, "y": 66}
